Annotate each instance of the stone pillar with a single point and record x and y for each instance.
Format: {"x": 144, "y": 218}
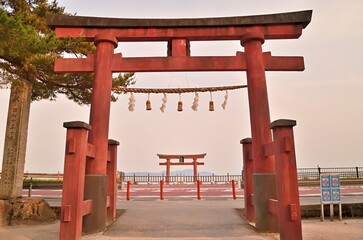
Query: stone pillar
{"x": 286, "y": 179}
{"x": 264, "y": 185}
{"x": 11, "y": 182}
{"x": 247, "y": 178}
{"x": 96, "y": 177}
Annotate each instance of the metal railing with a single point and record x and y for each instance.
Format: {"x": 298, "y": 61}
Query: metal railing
{"x": 344, "y": 172}
{"x": 180, "y": 179}
{"x": 302, "y": 174}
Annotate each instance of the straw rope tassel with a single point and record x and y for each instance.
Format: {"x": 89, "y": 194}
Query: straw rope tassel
{"x": 163, "y": 105}
{"x": 196, "y": 102}
{"x": 224, "y": 104}
{"x": 132, "y": 103}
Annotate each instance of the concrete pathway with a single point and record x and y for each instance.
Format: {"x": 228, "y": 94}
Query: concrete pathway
{"x": 187, "y": 220}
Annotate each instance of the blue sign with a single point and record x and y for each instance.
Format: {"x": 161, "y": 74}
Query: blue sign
{"x": 325, "y": 181}
{"x": 330, "y": 188}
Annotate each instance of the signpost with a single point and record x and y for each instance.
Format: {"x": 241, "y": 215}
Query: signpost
{"x": 330, "y": 193}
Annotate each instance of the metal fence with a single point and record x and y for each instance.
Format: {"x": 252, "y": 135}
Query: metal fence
{"x": 314, "y": 173}
{"x": 302, "y": 174}
{"x": 181, "y": 179}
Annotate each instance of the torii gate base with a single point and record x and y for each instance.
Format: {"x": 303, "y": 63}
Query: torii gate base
{"x": 75, "y": 200}
{"x": 285, "y": 202}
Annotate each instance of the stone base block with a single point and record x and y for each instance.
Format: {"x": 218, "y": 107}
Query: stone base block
{"x": 95, "y": 188}
{"x": 264, "y": 188}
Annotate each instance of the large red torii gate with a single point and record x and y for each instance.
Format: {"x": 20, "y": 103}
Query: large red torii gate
{"x": 251, "y": 31}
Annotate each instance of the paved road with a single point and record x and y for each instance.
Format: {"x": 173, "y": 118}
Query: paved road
{"x": 187, "y": 220}
{"x": 142, "y": 192}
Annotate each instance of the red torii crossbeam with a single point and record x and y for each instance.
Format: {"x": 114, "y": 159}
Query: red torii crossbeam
{"x": 168, "y": 163}
{"x": 251, "y": 31}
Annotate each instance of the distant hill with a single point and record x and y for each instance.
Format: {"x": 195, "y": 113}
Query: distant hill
{"x": 186, "y": 172}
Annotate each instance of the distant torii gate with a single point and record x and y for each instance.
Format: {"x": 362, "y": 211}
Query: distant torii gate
{"x": 271, "y": 205}
{"x": 181, "y": 158}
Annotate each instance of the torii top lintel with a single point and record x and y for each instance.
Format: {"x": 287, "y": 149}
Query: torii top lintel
{"x": 178, "y": 33}
{"x": 274, "y": 26}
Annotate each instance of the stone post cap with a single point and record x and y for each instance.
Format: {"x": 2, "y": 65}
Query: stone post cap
{"x": 77, "y": 124}
{"x": 246, "y": 141}
{"x": 282, "y": 123}
{"x": 113, "y": 142}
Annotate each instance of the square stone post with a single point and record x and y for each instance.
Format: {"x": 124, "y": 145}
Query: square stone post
{"x": 112, "y": 179}
{"x": 247, "y": 178}
{"x": 11, "y": 182}
{"x": 286, "y": 180}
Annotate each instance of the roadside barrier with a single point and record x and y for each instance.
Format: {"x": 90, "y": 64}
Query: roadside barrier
{"x": 161, "y": 190}
{"x": 128, "y": 191}
{"x": 234, "y": 190}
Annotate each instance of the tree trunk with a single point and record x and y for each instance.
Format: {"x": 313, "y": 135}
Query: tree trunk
{"x": 11, "y": 181}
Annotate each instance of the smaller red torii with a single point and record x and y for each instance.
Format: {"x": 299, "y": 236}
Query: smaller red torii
{"x": 181, "y": 158}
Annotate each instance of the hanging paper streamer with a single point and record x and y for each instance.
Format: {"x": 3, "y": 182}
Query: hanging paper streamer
{"x": 224, "y": 104}
{"x": 196, "y": 102}
{"x": 132, "y": 102}
{"x": 163, "y": 106}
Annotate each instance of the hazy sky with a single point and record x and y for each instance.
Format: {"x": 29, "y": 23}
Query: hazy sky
{"x": 326, "y": 99}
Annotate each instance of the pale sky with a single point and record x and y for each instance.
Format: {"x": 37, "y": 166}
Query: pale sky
{"x": 326, "y": 99}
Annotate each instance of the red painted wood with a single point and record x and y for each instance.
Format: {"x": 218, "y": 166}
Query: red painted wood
{"x": 198, "y": 189}
{"x": 179, "y": 47}
{"x": 258, "y": 102}
{"x": 247, "y": 181}
{"x": 87, "y": 207}
{"x": 195, "y": 170}
{"x": 273, "y": 206}
{"x": 268, "y": 149}
{"x": 73, "y": 184}
{"x": 128, "y": 191}
{"x": 287, "y": 184}
{"x": 167, "y": 171}
{"x": 193, "y": 34}
{"x": 179, "y": 164}
{"x": 179, "y": 63}
{"x": 233, "y": 189}
{"x": 161, "y": 190}
{"x": 100, "y": 107}
{"x": 112, "y": 181}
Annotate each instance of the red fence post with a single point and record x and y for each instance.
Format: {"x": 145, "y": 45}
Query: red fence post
{"x": 128, "y": 191}
{"x": 247, "y": 179}
{"x": 286, "y": 180}
{"x": 233, "y": 190}
{"x": 112, "y": 179}
{"x": 161, "y": 190}
{"x": 73, "y": 206}
{"x": 198, "y": 189}
{"x": 58, "y": 177}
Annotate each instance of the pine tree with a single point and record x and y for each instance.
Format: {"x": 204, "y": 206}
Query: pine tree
{"x": 28, "y": 48}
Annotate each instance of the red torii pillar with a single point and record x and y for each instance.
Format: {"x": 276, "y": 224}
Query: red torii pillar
{"x": 96, "y": 180}
{"x": 264, "y": 179}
